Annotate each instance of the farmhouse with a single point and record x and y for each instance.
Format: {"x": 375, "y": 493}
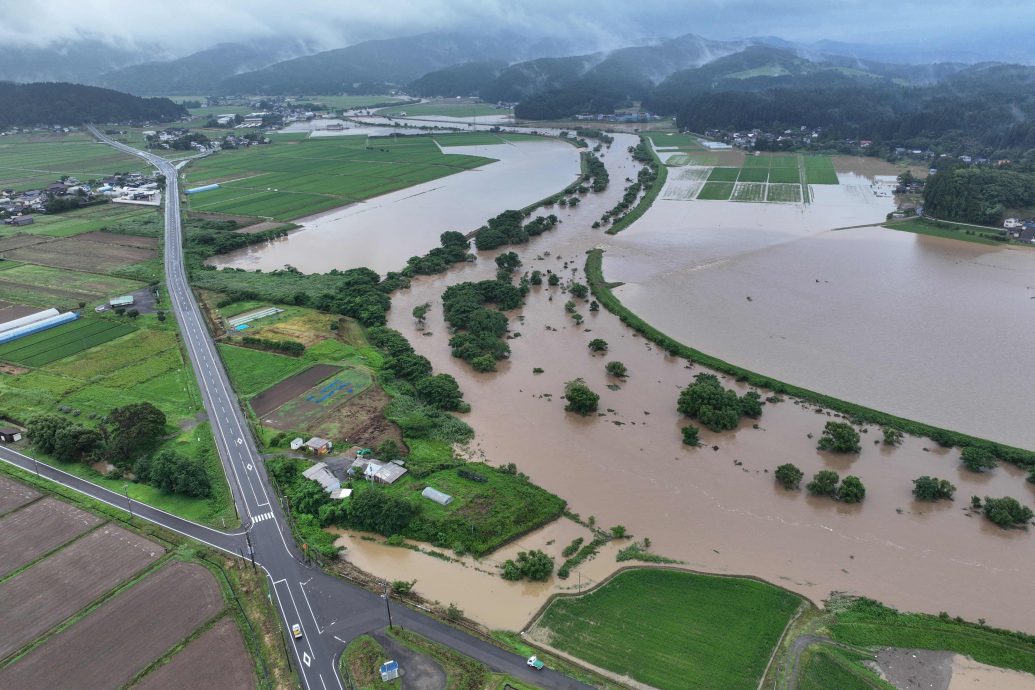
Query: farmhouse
{"x": 377, "y": 471}
{"x": 320, "y": 474}
{"x": 10, "y": 435}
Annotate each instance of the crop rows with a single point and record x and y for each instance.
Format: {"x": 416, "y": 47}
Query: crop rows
{"x": 62, "y": 341}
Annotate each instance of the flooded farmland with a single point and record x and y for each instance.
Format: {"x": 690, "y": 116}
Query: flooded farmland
{"x": 383, "y": 232}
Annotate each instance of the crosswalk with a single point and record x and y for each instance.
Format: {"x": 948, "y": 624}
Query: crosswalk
{"x": 264, "y": 516}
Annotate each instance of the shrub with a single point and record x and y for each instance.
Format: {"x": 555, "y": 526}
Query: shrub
{"x": 978, "y": 459}
{"x": 618, "y": 531}
{"x": 580, "y": 398}
{"x": 789, "y": 476}
{"x": 533, "y": 565}
{"x": 892, "y": 437}
{"x": 1007, "y": 512}
{"x": 933, "y": 489}
{"x": 719, "y": 409}
{"x": 839, "y": 437}
{"x": 579, "y": 290}
{"x": 691, "y": 435}
{"x": 851, "y": 490}
{"x": 553, "y": 279}
{"x": 616, "y": 369}
{"x": 824, "y": 483}
{"x": 598, "y": 345}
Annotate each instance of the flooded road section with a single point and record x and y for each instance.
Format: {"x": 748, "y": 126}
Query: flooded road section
{"x": 922, "y": 327}
{"x": 383, "y": 232}
{"x": 716, "y": 510}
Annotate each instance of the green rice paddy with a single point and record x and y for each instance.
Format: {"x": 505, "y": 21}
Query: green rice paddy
{"x": 667, "y": 140}
{"x": 62, "y": 341}
{"x": 29, "y": 161}
{"x": 716, "y": 191}
{"x": 724, "y": 175}
{"x": 674, "y": 629}
{"x": 780, "y": 178}
{"x": 753, "y": 175}
{"x": 290, "y": 179}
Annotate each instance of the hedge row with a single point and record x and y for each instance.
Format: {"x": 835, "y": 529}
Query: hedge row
{"x": 857, "y": 413}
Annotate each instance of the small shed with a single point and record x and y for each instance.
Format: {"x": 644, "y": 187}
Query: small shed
{"x": 320, "y": 446}
{"x": 123, "y": 301}
{"x": 389, "y": 670}
{"x": 10, "y": 435}
{"x": 436, "y": 496}
{"x": 297, "y": 443}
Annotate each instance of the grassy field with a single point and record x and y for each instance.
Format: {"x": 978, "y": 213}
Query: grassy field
{"x": 674, "y": 629}
{"x": 668, "y": 140}
{"x": 63, "y": 341}
{"x": 287, "y": 180}
{"x": 952, "y": 231}
{"x": 351, "y": 101}
{"x": 724, "y": 175}
{"x": 28, "y": 161}
{"x": 820, "y": 170}
{"x": 785, "y": 175}
{"x": 83, "y": 220}
{"x": 823, "y": 668}
{"x": 753, "y": 175}
{"x": 462, "y": 672}
{"x": 446, "y": 109}
{"x": 359, "y": 663}
{"x": 869, "y": 624}
{"x": 254, "y": 370}
{"x": 716, "y": 191}
{"x": 47, "y": 286}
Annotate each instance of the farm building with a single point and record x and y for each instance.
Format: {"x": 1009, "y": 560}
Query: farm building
{"x": 320, "y": 474}
{"x": 320, "y": 446}
{"x": 297, "y": 443}
{"x": 10, "y": 435}
{"x": 436, "y": 496}
{"x": 122, "y": 301}
{"x": 389, "y": 670}
{"x": 385, "y": 473}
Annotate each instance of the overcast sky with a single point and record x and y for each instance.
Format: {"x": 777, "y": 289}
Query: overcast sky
{"x": 186, "y": 25}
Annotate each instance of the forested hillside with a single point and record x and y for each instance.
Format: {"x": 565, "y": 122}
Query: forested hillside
{"x": 977, "y": 195}
{"x": 59, "y": 103}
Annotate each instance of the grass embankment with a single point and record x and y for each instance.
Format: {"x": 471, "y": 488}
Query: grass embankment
{"x": 673, "y": 629}
{"x": 870, "y": 624}
{"x": 824, "y": 667}
{"x": 359, "y": 665}
{"x": 858, "y": 413}
{"x": 649, "y": 196}
{"x": 952, "y": 231}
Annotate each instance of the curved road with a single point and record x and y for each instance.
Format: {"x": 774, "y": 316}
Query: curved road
{"x": 330, "y": 611}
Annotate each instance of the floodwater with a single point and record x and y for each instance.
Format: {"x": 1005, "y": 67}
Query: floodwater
{"x": 383, "y": 232}
{"x": 474, "y": 584}
{"x": 716, "y": 510}
{"x": 968, "y": 674}
{"x": 926, "y": 328}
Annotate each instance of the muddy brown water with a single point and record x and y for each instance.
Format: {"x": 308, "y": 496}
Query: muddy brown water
{"x": 717, "y": 510}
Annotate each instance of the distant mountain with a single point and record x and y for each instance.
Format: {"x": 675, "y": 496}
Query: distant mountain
{"x": 465, "y": 79}
{"x": 73, "y": 61}
{"x": 59, "y": 103}
{"x": 395, "y": 61}
{"x": 201, "y": 72}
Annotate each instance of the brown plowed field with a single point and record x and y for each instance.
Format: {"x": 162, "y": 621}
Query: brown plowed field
{"x": 81, "y": 254}
{"x": 125, "y": 634}
{"x": 117, "y": 238}
{"x": 290, "y": 388}
{"x": 362, "y": 420}
{"x": 14, "y": 495}
{"x": 20, "y": 240}
{"x": 42, "y": 596}
{"x": 36, "y": 529}
{"x": 216, "y": 659}
{"x": 9, "y": 311}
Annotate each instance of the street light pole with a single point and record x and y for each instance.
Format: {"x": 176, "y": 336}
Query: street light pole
{"x": 387, "y": 607}
{"x": 129, "y": 501}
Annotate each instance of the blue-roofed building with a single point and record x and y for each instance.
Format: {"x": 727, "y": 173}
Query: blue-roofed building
{"x": 389, "y": 670}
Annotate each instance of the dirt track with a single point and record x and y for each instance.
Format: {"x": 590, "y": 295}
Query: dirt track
{"x": 42, "y": 596}
{"x": 290, "y": 388}
{"x": 36, "y": 529}
{"x": 118, "y": 640}
{"x": 216, "y": 659}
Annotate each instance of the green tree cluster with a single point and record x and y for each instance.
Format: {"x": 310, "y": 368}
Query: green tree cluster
{"x": 839, "y": 437}
{"x": 531, "y": 565}
{"x": 1007, "y": 512}
{"x": 440, "y": 391}
{"x": 507, "y": 228}
{"x": 581, "y": 399}
{"x": 173, "y": 473}
{"x": 825, "y": 483}
{"x": 927, "y": 488}
{"x": 789, "y": 476}
{"x": 717, "y": 408}
{"x": 480, "y": 330}
{"x": 978, "y": 459}
{"x": 453, "y": 249}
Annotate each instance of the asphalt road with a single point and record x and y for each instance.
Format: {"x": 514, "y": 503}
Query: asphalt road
{"x": 330, "y": 611}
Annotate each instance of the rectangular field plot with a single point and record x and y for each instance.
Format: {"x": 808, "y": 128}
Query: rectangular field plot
{"x": 29, "y": 161}
{"x": 14, "y": 495}
{"x": 308, "y": 407}
{"x": 724, "y": 175}
{"x": 215, "y": 659}
{"x": 48, "y": 286}
{"x": 820, "y": 170}
{"x": 716, "y": 191}
{"x": 785, "y": 175}
{"x": 52, "y": 590}
{"x": 29, "y": 533}
{"x": 291, "y": 387}
{"x": 753, "y": 175}
{"x": 748, "y": 191}
{"x": 100, "y": 252}
{"x": 121, "y": 637}
{"x": 757, "y": 161}
{"x": 784, "y": 193}
{"x": 685, "y": 183}
{"x": 665, "y": 140}
{"x": 783, "y": 161}
{"x": 252, "y": 370}
{"x": 62, "y": 341}
{"x": 674, "y": 630}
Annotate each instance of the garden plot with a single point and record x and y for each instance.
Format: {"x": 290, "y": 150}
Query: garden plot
{"x": 305, "y": 410}
{"x": 101, "y": 253}
{"x": 748, "y": 191}
{"x": 62, "y": 341}
{"x": 50, "y": 591}
{"x": 290, "y": 388}
{"x": 119, "y": 639}
{"x": 37, "y": 529}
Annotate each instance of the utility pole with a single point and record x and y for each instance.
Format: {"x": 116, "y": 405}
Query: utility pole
{"x": 125, "y": 489}
{"x": 36, "y": 463}
{"x": 387, "y": 607}
{"x": 252, "y": 550}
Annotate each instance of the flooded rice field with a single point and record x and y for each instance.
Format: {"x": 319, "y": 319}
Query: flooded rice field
{"x": 383, "y": 232}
